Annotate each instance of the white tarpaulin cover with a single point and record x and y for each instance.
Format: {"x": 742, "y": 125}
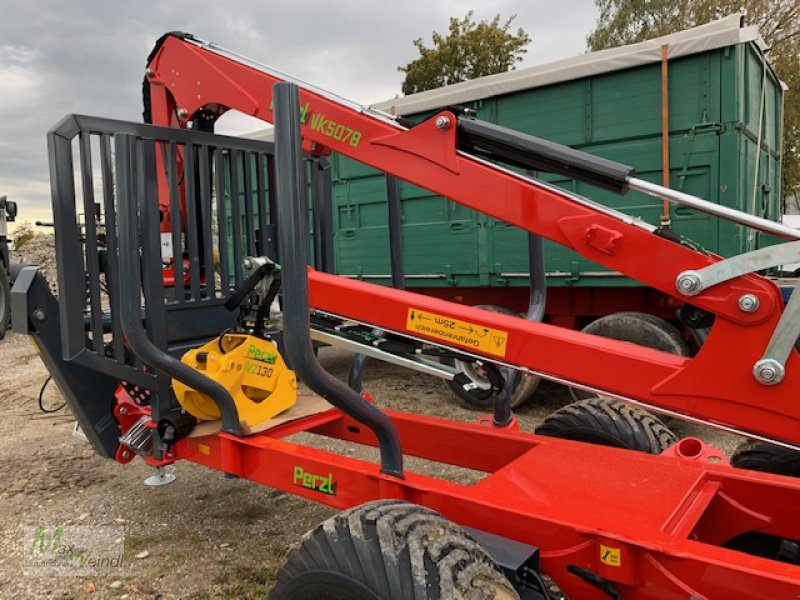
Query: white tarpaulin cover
{"x": 717, "y": 34}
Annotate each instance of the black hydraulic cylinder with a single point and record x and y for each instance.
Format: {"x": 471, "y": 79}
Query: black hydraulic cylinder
{"x": 522, "y": 150}
{"x": 293, "y": 250}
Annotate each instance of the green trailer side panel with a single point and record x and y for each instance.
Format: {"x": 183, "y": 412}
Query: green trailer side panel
{"x": 716, "y": 101}
{"x": 439, "y": 235}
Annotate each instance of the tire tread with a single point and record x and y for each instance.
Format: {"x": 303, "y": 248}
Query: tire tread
{"x": 756, "y": 455}
{"x": 609, "y": 422}
{"x": 398, "y": 550}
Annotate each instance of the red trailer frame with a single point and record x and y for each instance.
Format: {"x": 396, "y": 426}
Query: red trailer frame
{"x": 653, "y": 525}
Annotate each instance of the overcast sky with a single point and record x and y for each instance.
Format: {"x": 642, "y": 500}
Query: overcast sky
{"x": 71, "y": 56}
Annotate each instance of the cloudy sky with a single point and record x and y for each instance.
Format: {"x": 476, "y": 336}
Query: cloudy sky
{"x": 73, "y": 56}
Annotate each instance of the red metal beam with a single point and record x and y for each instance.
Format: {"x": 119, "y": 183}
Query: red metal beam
{"x": 662, "y": 520}
{"x": 716, "y": 385}
{"x": 192, "y": 77}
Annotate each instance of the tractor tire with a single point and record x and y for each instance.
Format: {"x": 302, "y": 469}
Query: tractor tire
{"x": 767, "y": 458}
{"x": 523, "y": 391}
{"x": 5, "y": 301}
{"x": 638, "y": 328}
{"x": 607, "y": 422}
{"x": 387, "y": 550}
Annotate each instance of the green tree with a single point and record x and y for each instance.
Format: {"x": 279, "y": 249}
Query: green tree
{"x": 630, "y": 21}
{"x": 467, "y": 51}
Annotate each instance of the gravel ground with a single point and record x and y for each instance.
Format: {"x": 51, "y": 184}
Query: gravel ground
{"x": 204, "y": 536}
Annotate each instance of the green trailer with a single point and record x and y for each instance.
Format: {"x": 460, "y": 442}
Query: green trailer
{"x": 724, "y": 138}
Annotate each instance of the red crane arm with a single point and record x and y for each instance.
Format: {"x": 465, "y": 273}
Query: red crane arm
{"x": 188, "y": 78}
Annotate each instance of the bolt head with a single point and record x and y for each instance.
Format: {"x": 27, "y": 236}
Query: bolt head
{"x": 123, "y": 410}
{"x": 688, "y": 283}
{"x": 182, "y": 113}
{"x": 769, "y": 371}
{"x": 748, "y": 303}
{"x": 126, "y": 454}
{"x": 442, "y": 122}
{"x": 148, "y": 72}
{"x": 39, "y": 314}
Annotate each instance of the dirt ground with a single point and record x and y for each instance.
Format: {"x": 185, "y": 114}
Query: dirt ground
{"x": 205, "y": 536}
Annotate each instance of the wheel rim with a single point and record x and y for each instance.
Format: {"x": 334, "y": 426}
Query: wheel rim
{"x": 475, "y": 373}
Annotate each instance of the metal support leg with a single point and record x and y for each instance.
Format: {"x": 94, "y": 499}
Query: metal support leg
{"x": 160, "y": 477}
{"x": 395, "y": 233}
{"x": 503, "y": 416}
{"x": 323, "y": 218}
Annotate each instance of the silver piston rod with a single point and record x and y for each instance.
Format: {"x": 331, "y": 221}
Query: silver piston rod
{"x": 731, "y": 214}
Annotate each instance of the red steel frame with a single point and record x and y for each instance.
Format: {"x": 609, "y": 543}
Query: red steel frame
{"x": 664, "y": 518}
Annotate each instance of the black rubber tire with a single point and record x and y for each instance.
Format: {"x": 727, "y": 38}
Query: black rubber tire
{"x": 608, "y": 422}
{"x": 767, "y": 458}
{"x": 389, "y": 549}
{"x": 524, "y": 390}
{"x": 5, "y": 301}
{"x": 638, "y": 328}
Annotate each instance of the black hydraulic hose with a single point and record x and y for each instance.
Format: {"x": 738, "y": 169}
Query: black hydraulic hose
{"x": 266, "y": 303}
{"x": 41, "y": 399}
{"x": 130, "y": 293}
{"x": 536, "y": 304}
{"x": 233, "y": 302}
{"x": 293, "y": 250}
{"x": 355, "y": 376}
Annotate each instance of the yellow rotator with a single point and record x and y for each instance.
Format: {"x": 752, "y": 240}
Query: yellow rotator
{"x": 250, "y": 369}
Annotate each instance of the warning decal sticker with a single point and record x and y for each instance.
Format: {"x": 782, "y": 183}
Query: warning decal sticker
{"x": 453, "y": 331}
{"x": 610, "y": 556}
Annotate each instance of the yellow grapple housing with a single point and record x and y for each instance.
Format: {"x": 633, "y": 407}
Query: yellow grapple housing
{"x": 250, "y": 368}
